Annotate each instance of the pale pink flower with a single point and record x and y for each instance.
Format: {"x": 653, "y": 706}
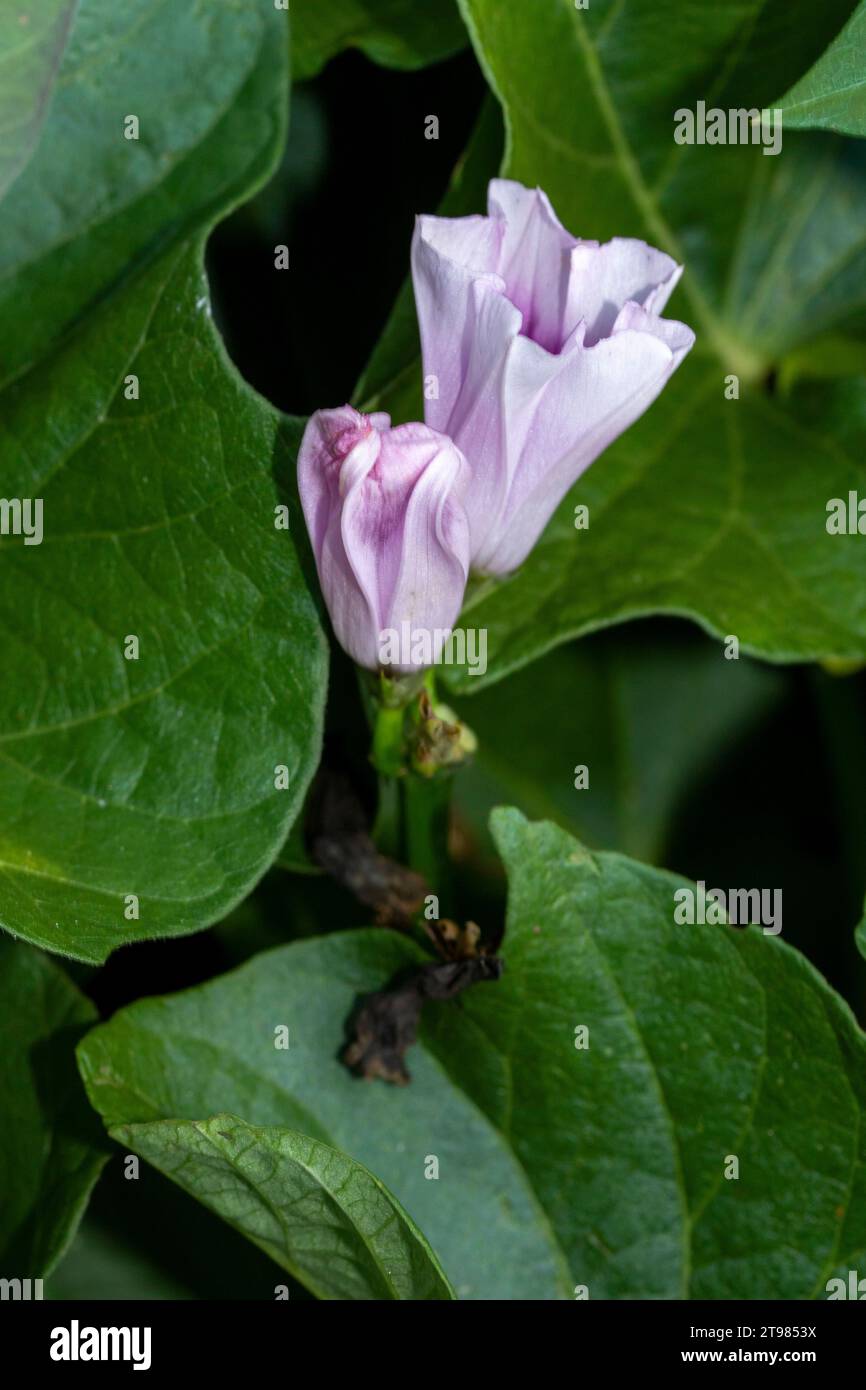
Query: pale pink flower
{"x": 387, "y": 525}
{"x": 544, "y": 349}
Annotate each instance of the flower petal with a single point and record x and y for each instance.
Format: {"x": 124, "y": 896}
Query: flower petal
{"x": 544, "y": 347}
{"x": 535, "y": 259}
{"x": 434, "y": 558}
{"x": 443, "y": 287}
{"x": 389, "y": 532}
{"x": 606, "y": 388}
{"x": 604, "y": 278}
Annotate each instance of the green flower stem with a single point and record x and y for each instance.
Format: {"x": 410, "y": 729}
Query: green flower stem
{"x": 426, "y": 804}
{"x": 388, "y": 829}
{"x": 388, "y": 740}
{"x": 412, "y": 820}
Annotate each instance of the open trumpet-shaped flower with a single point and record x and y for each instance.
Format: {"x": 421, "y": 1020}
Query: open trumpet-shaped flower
{"x": 388, "y": 529}
{"x": 544, "y": 349}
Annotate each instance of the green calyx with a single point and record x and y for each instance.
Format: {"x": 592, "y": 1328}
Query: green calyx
{"x": 415, "y": 733}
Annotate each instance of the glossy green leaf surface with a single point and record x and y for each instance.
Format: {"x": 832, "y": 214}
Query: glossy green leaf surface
{"x": 32, "y": 40}
{"x": 315, "y": 1211}
{"x": 164, "y": 664}
{"x": 832, "y": 94}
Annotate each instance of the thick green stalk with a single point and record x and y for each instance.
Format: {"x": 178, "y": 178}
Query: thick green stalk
{"x": 426, "y": 807}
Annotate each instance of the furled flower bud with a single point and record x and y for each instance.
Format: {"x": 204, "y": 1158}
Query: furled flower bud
{"x": 390, "y": 535}
{"x": 544, "y": 349}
